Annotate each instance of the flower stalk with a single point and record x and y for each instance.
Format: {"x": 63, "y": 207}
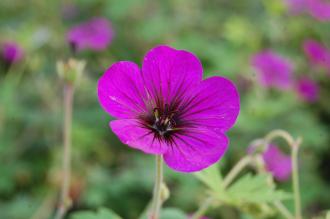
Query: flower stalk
{"x": 70, "y": 73}
{"x": 65, "y": 201}
{"x": 245, "y": 161}
{"x": 283, "y": 210}
{"x": 157, "y": 195}
{"x": 241, "y": 164}
{"x": 294, "y": 145}
{"x": 295, "y": 178}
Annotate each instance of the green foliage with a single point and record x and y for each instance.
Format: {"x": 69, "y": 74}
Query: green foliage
{"x": 254, "y": 189}
{"x": 224, "y": 35}
{"x": 102, "y": 213}
{"x": 252, "y": 194}
{"x": 167, "y": 213}
{"x": 212, "y": 178}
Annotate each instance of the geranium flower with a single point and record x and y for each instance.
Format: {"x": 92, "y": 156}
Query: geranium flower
{"x": 317, "y": 53}
{"x": 319, "y": 9}
{"x": 166, "y": 108}
{"x": 273, "y": 70}
{"x": 95, "y": 34}
{"x": 307, "y": 89}
{"x": 11, "y": 52}
{"x": 278, "y": 163}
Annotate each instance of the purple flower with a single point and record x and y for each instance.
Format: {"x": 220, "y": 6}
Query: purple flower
{"x": 95, "y": 34}
{"x": 273, "y": 70}
{"x": 307, "y": 89}
{"x": 317, "y": 53}
{"x": 166, "y": 108}
{"x": 11, "y": 52}
{"x": 278, "y": 163}
{"x": 319, "y": 9}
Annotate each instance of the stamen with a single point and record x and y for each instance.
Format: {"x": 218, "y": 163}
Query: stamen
{"x": 156, "y": 113}
{"x": 163, "y": 121}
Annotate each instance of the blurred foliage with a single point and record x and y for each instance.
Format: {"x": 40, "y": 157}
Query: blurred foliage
{"x": 102, "y": 213}
{"x": 223, "y": 34}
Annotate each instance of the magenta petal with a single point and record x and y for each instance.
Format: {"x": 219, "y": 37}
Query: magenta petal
{"x": 95, "y": 34}
{"x": 213, "y": 104}
{"x": 317, "y": 53}
{"x": 135, "y": 135}
{"x": 277, "y": 163}
{"x": 195, "y": 149}
{"x": 273, "y": 70}
{"x": 307, "y": 89}
{"x": 319, "y": 9}
{"x": 11, "y": 52}
{"x": 121, "y": 91}
{"x": 168, "y": 73}
{"x": 167, "y": 109}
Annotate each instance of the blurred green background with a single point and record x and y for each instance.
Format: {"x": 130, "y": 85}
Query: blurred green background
{"x": 223, "y": 34}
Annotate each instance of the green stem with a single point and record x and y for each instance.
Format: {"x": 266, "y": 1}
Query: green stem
{"x": 295, "y": 178}
{"x": 65, "y": 201}
{"x": 241, "y": 164}
{"x": 45, "y": 209}
{"x": 279, "y": 133}
{"x": 283, "y": 210}
{"x": 157, "y": 202}
{"x": 203, "y": 208}
{"x": 294, "y": 161}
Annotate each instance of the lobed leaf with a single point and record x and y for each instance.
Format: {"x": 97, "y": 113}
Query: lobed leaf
{"x": 212, "y": 178}
{"x": 254, "y": 189}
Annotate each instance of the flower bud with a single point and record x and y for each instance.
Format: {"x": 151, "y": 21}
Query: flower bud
{"x": 71, "y": 70}
{"x": 165, "y": 192}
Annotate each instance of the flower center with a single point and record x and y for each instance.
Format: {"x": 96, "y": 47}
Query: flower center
{"x": 163, "y": 122}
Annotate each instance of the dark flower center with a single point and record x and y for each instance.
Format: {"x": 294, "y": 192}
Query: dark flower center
{"x": 163, "y": 122}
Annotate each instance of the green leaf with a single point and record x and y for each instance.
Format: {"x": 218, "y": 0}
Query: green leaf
{"x": 212, "y": 178}
{"x": 254, "y": 189}
{"x": 102, "y": 213}
{"x": 168, "y": 213}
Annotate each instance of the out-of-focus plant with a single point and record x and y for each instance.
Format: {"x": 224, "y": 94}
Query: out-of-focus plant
{"x": 257, "y": 194}
{"x": 70, "y": 73}
{"x": 224, "y": 35}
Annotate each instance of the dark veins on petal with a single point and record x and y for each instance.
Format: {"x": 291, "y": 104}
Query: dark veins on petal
{"x": 163, "y": 122}
{"x": 166, "y": 121}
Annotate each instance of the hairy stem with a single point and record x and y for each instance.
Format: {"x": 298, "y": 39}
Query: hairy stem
{"x": 295, "y": 178}
{"x": 279, "y": 133}
{"x": 283, "y": 210}
{"x": 241, "y": 164}
{"x": 294, "y": 144}
{"x": 65, "y": 201}
{"x": 157, "y": 202}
